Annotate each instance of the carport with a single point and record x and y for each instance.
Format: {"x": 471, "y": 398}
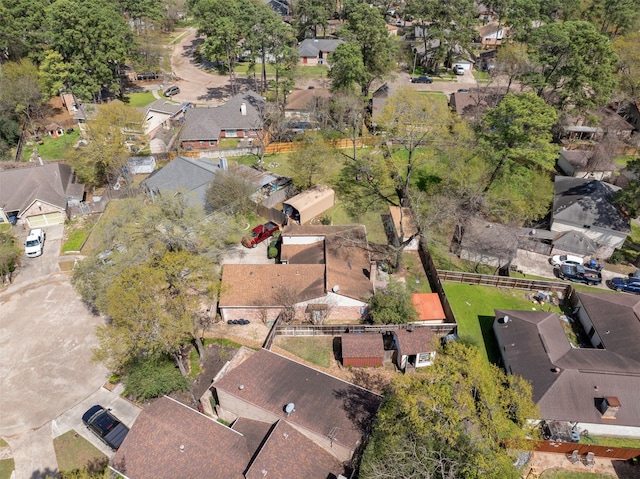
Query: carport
{"x": 307, "y": 205}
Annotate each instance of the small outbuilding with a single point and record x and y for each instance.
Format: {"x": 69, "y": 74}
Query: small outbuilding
{"x": 305, "y": 206}
{"x": 415, "y": 348}
{"x": 141, "y": 165}
{"x": 404, "y": 228}
{"x": 362, "y": 350}
{"x": 428, "y": 307}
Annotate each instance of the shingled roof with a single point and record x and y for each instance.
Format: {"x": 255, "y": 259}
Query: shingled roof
{"x": 567, "y": 380}
{"x": 415, "y": 341}
{"x": 365, "y": 345}
{"x": 170, "y": 439}
{"x": 323, "y": 404}
{"x": 587, "y": 203}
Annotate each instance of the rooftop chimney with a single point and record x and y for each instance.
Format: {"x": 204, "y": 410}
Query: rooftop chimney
{"x": 609, "y": 407}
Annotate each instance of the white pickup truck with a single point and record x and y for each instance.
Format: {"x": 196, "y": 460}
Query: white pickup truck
{"x": 35, "y": 242}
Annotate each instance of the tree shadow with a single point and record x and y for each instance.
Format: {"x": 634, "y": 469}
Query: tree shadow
{"x": 359, "y": 405}
{"x": 46, "y": 473}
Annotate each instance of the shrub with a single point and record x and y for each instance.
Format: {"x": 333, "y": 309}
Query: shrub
{"x": 272, "y": 252}
{"x": 616, "y": 257}
{"x": 153, "y": 377}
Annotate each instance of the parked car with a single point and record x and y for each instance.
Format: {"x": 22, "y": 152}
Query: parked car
{"x": 458, "y": 69}
{"x": 560, "y": 259}
{"x": 580, "y": 274}
{"x": 172, "y": 90}
{"x": 146, "y": 76}
{"x": 627, "y": 285}
{"x": 635, "y": 274}
{"x": 259, "y": 234}
{"x": 34, "y": 244}
{"x": 422, "y": 79}
{"x": 106, "y": 426}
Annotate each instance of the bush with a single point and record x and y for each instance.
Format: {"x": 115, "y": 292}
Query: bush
{"x": 616, "y": 257}
{"x": 272, "y": 252}
{"x": 153, "y": 377}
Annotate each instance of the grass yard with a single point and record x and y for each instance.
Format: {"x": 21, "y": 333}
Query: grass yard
{"x": 311, "y": 71}
{"x": 75, "y": 452}
{"x": 6, "y": 468}
{"x": 610, "y": 441}
{"x": 474, "y": 307}
{"x": 53, "y": 148}
{"x": 316, "y": 350}
{"x": 138, "y": 100}
{"x": 94, "y": 242}
{"x": 558, "y": 473}
{"x": 631, "y": 247}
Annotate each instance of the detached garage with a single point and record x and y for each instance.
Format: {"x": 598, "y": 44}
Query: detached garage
{"x": 362, "y": 350}
{"x": 307, "y": 205}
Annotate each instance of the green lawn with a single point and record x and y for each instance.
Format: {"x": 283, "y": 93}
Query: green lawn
{"x": 6, "y": 468}
{"x": 53, "y": 148}
{"x": 317, "y": 350}
{"x": 558, "y": 473}
{"x": 610, "y": 441}
{"x": 311, "y": 71}
{"x": 474, "y": 307}
{"x": 138, "y": 100}
{"x": 75, "y": 240}
{"x": 631, "y": 247}
{"x": 75, "y": 452}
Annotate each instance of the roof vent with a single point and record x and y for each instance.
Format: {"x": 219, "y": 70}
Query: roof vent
{"x": 609, "y": 407}
{"x": 181, "y": 447}
{"x": 504, "y": 320}
{"x": 241, "y": 387}
{"x": 335, "y": 289}
{"x": 289, "y": 408}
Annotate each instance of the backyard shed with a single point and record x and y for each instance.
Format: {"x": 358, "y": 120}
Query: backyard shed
{"x": 416, "y": 348}
{"x": 362, "y": 350}
{"x": 428, "y": 307}
{"x": 140, "y": 165}
{"x": 305, "y": 206}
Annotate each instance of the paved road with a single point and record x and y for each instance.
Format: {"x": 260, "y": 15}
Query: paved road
{"x": 46, "y": 337}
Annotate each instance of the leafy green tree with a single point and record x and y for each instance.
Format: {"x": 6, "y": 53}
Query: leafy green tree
{"x": 627, "y": 48}
{"x": 517, "y": 132}
{"x": 308, "y": 162}
{"x": 310, "y": 15}
{"x": 450, "y": 421}
{"x": 628, "y": 198}
{"x": 20, "y": 94}
{"x": 22, "y": 35}
{"x": 347, "y": 72}
{"x": 367, "y": 28}
{"x": 614, "y": 17}
{"x": 93, "y": 39}
{"x": 151, "y": 378}
{"x": 54, "y": 73}
{"x": 573, "y": 65}
{"x": 106, "y": 153}
{"x": 392, "y": 305}
{"x": 230, "y": 193}
{"x": 9, "y": 254}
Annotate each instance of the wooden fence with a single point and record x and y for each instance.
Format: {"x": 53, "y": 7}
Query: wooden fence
{"x": 441, "y": 329}
{"x": 621, "y": 453}
{"x": 504, "y": 281}
{"x": 288, "y": 147}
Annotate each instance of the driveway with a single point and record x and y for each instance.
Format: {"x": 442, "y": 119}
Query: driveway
{"x": 238, "y": 254}
{"x": 46, "y": 337}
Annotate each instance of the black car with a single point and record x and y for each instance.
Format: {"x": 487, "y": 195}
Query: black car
{"x": 628, "y": 285}
{"x": 106, "y": 426}
{"x": 422, "y": 79}
{"x": 146, "y": 76}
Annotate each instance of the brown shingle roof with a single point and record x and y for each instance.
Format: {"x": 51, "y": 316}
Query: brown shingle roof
{"x": 415, "y": 342}
{"x": 322, "y": 402}
{"x": 301, "y": 100}
{"x": 170, "y": 440}
{"x": 265, "y": 284}
{"x": 254, "y": 432}
{"x": 289, "y": 454}
{"x": 362, "y": 346}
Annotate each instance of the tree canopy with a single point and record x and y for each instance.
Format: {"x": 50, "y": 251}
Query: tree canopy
{"x": 450, "y": 421}
{"x": 392, "y": 305}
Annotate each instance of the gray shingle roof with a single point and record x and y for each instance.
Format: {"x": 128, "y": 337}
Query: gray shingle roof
{"x": 201, "y": 124}
{"x": 535, "y": 345}
{"x": 49, "y": 183}
{"x": 587, "y": 203}
{"x": 312, "y": 46}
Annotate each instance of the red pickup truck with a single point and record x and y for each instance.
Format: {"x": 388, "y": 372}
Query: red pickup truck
{"x": 259, "y": 234}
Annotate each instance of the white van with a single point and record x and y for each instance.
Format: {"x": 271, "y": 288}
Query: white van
{"x": 35, "y": 242}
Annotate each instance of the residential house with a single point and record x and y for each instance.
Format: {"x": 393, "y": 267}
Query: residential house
{"x": 267, "y": 387}
{"x": 192, "y": 176}
{"x": 631, "y": 112}
{"x": 39, "y": 195}
{"x": 610, "y": 121}
{"x": 403, "y": 228}
{"x": 309, "y": 204}
{"x": 472, "y": 104}
{"x": 315, "y": 51}
{"x": 378, "y": 101}
{"x": 170, "y": 440}
{"x": 584, "y": 205}
{"x": 163, "y": 114}
{"x": 575, "y": 243}
{"x": 240, "y": 117}
{"x": 579, "y": 163}
{"x": 491, "y": 34}
{"x": 429, "y": 307}
{"x": 364, "y": 350}
{"x": 416, "y": 347}
{"x": 488, "y": 243}
{"x": 593, "y": 386}
{"x": 325, "y": 274}
{"x": 302, "y": 104}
